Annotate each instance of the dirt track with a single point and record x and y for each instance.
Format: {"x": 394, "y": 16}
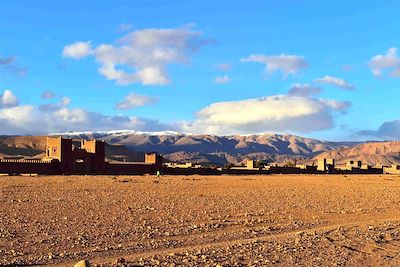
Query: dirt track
{"x": 201, "y": 220}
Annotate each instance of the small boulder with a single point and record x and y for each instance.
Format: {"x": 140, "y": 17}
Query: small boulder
{"x": 83, "y": 263}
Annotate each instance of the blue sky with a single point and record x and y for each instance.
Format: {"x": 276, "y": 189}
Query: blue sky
{"x": 219, "y": 67}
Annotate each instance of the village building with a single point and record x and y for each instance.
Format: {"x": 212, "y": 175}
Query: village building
{"x": 326, "y": 165}
{"x": 66, "y": 156}
{"x": 181, "y": 165}
{"x": 394, "y": 169}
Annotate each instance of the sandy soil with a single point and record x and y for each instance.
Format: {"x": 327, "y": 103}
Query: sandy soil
{"x": 200, "y": 220}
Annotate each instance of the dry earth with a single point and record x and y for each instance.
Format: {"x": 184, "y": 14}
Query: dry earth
{"x": 297, "y": 220}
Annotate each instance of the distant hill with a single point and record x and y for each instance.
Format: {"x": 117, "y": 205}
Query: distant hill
{"x": 212, "y": 149}
{"x": 20, "y": 147}
{"x": 28, "y": 147}
{"x": 386, "y": 153}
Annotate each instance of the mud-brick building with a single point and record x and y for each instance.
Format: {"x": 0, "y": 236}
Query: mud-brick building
{"x": 326, "y": 165}
{"x": 394, "y": 169}
{"x": 88, "y": 158}
{"x": 65, "y": 156}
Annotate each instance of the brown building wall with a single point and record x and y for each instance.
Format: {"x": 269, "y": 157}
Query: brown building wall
{"x": 291, "y": 170}
{"x": 153, "y": 158}
{"x": 96, "y": 149}
{"x": 61, "y": 149}
{"x": 360, "y": 171}
{"x": 34, "y": 166}
{"x": 54, "y": 168}
{"x": 126, "y": 168}
{"x": 190, "y": 171}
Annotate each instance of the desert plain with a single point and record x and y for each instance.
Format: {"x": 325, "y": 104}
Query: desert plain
{"x": 280, "y": 220}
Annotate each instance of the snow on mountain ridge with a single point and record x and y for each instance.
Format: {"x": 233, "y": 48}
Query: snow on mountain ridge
{"x": 174, "y": 133}
{"x": 119, "y": 132}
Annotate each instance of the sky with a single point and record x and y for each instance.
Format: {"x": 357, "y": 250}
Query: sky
{"x": 322, "y": 69}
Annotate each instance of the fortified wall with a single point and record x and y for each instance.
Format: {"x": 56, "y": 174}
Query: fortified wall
{"x": 12, "y": 166}
{"x": 64, "y": 157}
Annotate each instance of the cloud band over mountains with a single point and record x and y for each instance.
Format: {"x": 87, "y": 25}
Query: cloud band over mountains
{"x": 271, "y": 113}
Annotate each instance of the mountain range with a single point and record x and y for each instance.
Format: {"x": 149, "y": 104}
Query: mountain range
{"x": 386, "y": 153}
{"x": 212, "y": 149}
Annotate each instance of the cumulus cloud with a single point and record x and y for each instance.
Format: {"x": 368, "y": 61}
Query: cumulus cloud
{"x": 287, "y": 64}
{"x": 8, "y": 99}
{"x": 222, "y": 79}
{"x": 336, "y": 82}
{"x": 388, "y": 130}
{"x": 77, "y": 50}
{"x": 388, "y": 62}
{"x": 304, "y": 90}
{"x": 141, "y": 56}
{"x": 9, "y": 65}
{"x": 48, "y": 95}
{"x": 28, "y": 119}
{"x": 272, "y": 113}
{"x": 134, "y": 100}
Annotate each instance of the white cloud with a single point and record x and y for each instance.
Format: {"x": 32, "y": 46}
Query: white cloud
{"x": 77, "y": 50}
{"x": 336, "y": 82}
{"x": 272, "y": 113}
{"x": 65, "y": 101}
{"x": 8, "y": 99}
{"x": 134, "y": 100}
{"x": 19, "y": 120}
{"x": 390, "y": 61}
{"x": 222, "y": 79}
{"x": 142, "y": 56}
{"x": 304, "y": 90}
{"x": 28, "y": 119}
{"x": 287, "y": 64}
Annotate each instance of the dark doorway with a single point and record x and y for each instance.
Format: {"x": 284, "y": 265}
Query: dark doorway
{"x": 80, "y": 166}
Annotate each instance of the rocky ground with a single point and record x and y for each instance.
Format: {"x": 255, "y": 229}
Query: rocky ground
{"x": 283, "y": 220}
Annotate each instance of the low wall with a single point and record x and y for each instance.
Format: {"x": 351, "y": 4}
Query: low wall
{"x": 130, "y": 168}
{"x": 10, "y": 166}
{"x": 360, "y": 171}
{"x": 244, "y": 171}
{"x": 291, "y": 170}
{"x": 190, "y": 171}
